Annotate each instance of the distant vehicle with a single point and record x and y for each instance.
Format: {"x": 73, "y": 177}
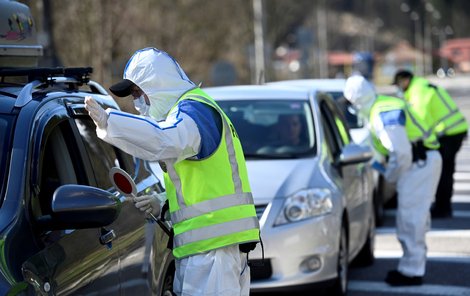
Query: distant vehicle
{"x": 383, "y": 190}
{"x": 64, "y": 228}
{"x": 311, "y": 185}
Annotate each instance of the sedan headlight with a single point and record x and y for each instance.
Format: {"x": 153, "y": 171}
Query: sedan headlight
{"x": 305, "y": 204}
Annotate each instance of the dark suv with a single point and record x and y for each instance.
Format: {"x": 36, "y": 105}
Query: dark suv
{"x": 64, "y": 229}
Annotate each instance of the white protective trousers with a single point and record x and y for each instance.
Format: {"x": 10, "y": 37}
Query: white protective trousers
{"x": 416, "y": 189}
{"x": 220, "y": 272}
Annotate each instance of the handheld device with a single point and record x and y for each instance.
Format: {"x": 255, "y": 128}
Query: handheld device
{"x": 126, "y": 186}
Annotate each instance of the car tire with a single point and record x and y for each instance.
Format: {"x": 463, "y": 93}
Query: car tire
{"x": 366, "y": 257}
{"x": 340, "y": 285}
{"x": 167, "y": 289}
{"x": 379, "y": 211}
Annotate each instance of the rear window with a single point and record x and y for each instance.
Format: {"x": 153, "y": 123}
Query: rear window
{"x": 272, "y": 128}
{"x": 5, "y": 141}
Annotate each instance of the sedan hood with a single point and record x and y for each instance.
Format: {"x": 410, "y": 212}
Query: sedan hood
{"x": 271, "y": 179}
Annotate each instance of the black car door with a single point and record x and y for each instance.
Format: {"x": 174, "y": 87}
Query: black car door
{"x": 143, "y": 256}
{"x": 141, "y": 243}
{"x": 72, "y": 261}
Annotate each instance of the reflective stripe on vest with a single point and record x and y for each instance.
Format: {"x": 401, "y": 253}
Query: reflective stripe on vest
{"x": 415, "y": 129}
{"x": 446, "y": 120}
{"x": 216, "y": 230}
{"x": 211, "y": 205}
{"x": 218, "y": 221}
{"x": 434, "y": 105}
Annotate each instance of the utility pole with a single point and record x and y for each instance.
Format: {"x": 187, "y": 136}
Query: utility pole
{"x": 45, "y": 33}
{"x": 259, "y": 75}
{"x": 322, "y": 39}
{"x": 419, "y": 48}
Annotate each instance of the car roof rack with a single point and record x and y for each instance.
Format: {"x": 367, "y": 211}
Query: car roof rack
{"x": 81, "y": 74}
{"x": 38, "y": 77}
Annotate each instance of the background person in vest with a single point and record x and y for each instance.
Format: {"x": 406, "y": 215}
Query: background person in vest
{"x": 412, "y": 162}
{"x": 434, "y": 104}
{"x": 210, "y": 202}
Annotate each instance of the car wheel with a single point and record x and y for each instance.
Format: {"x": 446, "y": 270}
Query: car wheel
{"x": 366, "y": 257}
{"x": 340, "y": 285}
{"x": 167, "y": 289}
{"x": 379, "y": 212}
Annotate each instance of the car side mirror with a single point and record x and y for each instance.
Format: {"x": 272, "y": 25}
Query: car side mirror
{"x": 354, "y": 153}
{"x": 80, "y": 206}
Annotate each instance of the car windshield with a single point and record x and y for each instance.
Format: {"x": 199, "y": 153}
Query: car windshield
{"x": 272, "y": 128}
{"x": 5, "y": 138}
{"x": 351, "y": 117}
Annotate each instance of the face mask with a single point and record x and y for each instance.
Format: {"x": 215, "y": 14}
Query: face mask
{"x": 141, "y": 106}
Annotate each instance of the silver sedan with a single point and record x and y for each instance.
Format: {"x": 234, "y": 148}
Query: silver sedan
{"x": 311, "y": 184}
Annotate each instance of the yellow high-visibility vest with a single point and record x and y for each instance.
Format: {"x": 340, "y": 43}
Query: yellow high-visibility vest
{"x": 416, "y": 129}
{"x": 210, "y": 200}
{"x": 434, "y": 105}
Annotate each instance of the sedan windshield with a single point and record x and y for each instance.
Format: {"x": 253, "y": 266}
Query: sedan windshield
{"x": 272, "y": 128}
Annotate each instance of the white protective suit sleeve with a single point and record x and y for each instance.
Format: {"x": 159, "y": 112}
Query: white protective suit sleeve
{"x": 395, "y": 140}
{"x": 174, "y": 139}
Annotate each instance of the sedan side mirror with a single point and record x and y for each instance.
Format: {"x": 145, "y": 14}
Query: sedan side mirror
{"x": 353, "y": 153}
{"x": 80, "y": 206}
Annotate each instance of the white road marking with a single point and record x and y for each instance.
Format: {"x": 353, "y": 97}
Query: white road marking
{"x": 455, "y": 214}
{"x": 431, "y": 256}
{"x": 440, "y": 232}
{"x": 461, "y": 176}
{"x": 455, "y": 248}
{"x": 461, "y": 198}
{"x": 459, "y": 185}
{"x": 369, "y": 286}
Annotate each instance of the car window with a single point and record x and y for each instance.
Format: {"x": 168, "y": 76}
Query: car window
{"x": 330, "y": 128}
{"x": 58, "y": 164}
{"x": 277, "y": 128}
{"x": 342, "y": 129}
{"x": 352, "y": 119}
{"x": 104, "y": 156}
{"x": 5, "y": 138}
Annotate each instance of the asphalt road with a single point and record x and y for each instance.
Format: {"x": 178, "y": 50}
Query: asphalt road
{"x": 448, "y": 267}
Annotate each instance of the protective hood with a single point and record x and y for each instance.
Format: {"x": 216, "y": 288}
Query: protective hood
{"x": 360, "y": 93}
{"x": 160, "y": 77}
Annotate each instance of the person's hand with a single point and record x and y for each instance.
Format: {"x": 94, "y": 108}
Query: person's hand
{"x": 148, "y": 204}
{"x": 97, "y": 113}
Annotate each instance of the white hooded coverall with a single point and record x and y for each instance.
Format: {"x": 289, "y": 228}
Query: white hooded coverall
{"x": 416, "y": 182}
{"x": 191, "y": 130}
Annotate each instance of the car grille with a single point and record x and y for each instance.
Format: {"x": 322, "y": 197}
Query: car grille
{"x": 260, "y": 269}
{"x": 260, "y": 210}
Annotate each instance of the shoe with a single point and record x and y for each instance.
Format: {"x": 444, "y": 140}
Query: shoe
{"x": 437, "y": 213}
{"x": 396, "y": 278}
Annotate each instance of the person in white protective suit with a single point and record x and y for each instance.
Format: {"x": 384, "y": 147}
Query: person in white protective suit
{"x": 413, "y": 163}
{"x": 210, "y": 202}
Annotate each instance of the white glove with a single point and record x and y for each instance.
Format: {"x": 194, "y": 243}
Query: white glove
{"x": 97, "y": 113}
{"x": 148, "y": 204}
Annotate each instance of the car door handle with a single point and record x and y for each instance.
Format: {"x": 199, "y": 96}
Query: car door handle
{"x": 107, "y": 236}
